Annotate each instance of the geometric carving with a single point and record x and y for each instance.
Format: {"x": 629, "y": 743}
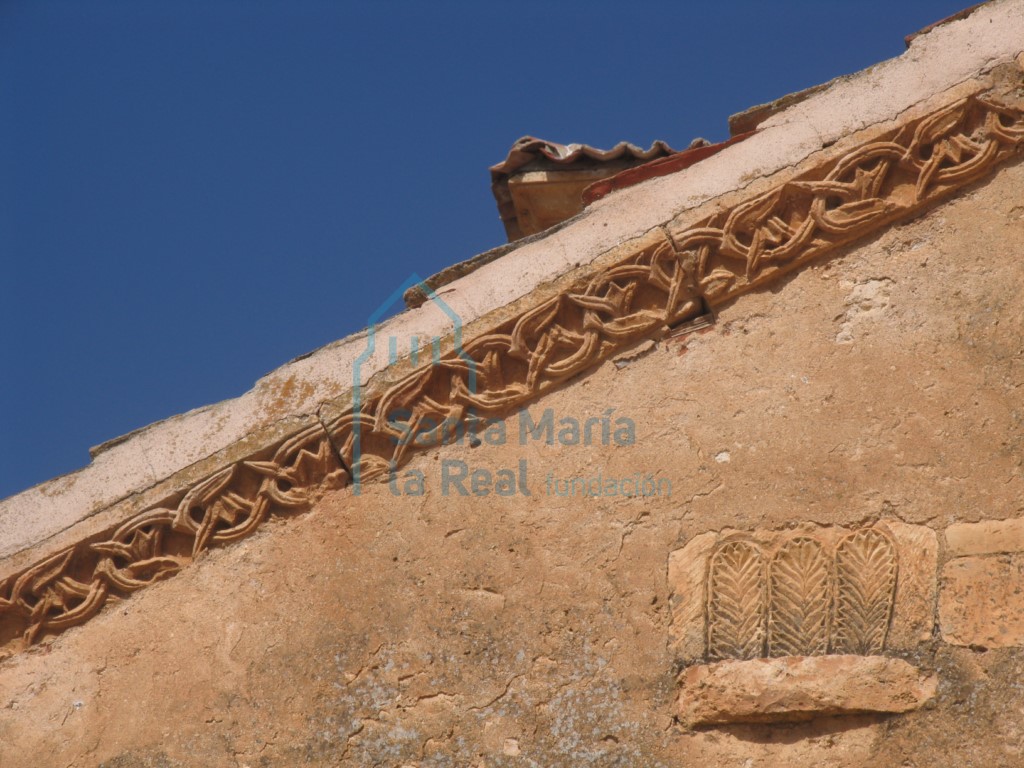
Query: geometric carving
{"x": 866, "y": 570}
{"x": 736, "y": 602}
{"x": 799, "y": 599}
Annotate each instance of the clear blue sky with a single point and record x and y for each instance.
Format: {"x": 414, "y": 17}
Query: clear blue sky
{"x": 194, "y": 192}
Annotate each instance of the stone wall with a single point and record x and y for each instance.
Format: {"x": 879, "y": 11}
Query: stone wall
{"x": 878, "y": 390}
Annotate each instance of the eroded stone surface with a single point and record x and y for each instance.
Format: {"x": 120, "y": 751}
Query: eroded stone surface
{"x": 913, "y": 614}
{"x": 430, "y": 629}
{"x": 893, "y": 88}
{"x": 985, "y": 538}
{"x": 982, "y": 601}
{"x": 442, "y": 630}
{"x": 795, "y": 688}
{"x": 687, "y": 578}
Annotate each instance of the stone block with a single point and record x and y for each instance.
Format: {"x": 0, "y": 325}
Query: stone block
{"x": 687, "y": 578}
{"x": 913, "y": 616}
{"x": 803, "y": 592}
{"x": 985, "y": 538}
{"x": 981, "y": 602}
{"x": 795, "y": 688}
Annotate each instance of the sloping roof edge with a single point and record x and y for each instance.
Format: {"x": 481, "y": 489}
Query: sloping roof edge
{"x": 281, "y": 444}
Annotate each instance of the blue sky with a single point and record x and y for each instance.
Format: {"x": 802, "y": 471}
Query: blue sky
{"x": 193, "y": 193}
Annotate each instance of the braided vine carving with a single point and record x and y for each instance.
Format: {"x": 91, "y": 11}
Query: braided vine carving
{"x": 72, "y": 585}
{"x": 520, "y": 360}
{"x": 715, "y": 260}
{"x": 895, "y": 176}
{"x": 661, "y": 284}
{"x": 806, "y": 598}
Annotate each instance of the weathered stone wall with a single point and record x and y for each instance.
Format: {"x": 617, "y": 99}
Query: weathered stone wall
{"x": 877, "y": 389}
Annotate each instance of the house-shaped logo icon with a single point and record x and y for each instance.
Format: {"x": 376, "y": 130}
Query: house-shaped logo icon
{"x": 420, "y": 350}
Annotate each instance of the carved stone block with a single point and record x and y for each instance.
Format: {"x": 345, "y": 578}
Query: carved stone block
{"x": 865, "y": 589}
{"x": 813, "y": 591}
{"x": 799, "y": 592}
{"x": 687, "y": 575}
{"x": 736, "y": 601}
{"x": 876, "y": 183}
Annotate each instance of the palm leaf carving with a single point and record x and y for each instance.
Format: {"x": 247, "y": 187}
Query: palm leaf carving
{"x": 798, "y": 599}
{"x": 866, "y": 570}
{"x": 736, "y": 603}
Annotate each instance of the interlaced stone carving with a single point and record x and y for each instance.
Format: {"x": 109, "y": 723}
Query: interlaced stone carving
{"x": 70, "y": 586}
{"x": 900, "y": 174}
{"x": 520, "y": 360}
{"x": 806, "y": 598}
{"x": 892, "y": 177}
{"x": 663, "y": 282}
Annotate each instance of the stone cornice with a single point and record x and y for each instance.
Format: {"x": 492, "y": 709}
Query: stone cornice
{"x": 671, "y": 274}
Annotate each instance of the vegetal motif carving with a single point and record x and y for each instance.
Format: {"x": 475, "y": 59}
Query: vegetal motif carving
{"x": 865, "y": 587}
{"x": 799, "y": 598}
{"x": 521, "y": 359}
{"x": 736, "y": 602}
{"x": 661, "y": 284}
{"x": 804, "y": 599}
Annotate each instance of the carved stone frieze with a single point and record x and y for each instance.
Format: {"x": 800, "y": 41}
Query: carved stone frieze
{"x": 801, "y": 623}
{"x": 803, "y": 599}
{"x": 668, "y": 277}
{"x": 520, "y": 359}
{"x": 666, "y": 281}
{"x": 736, "y": 601}
{"x": 799, "y": 592}
{"x": 866, "y": 571}
{"x": 70, "y": 586}
{"x": 894, "y": 176}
